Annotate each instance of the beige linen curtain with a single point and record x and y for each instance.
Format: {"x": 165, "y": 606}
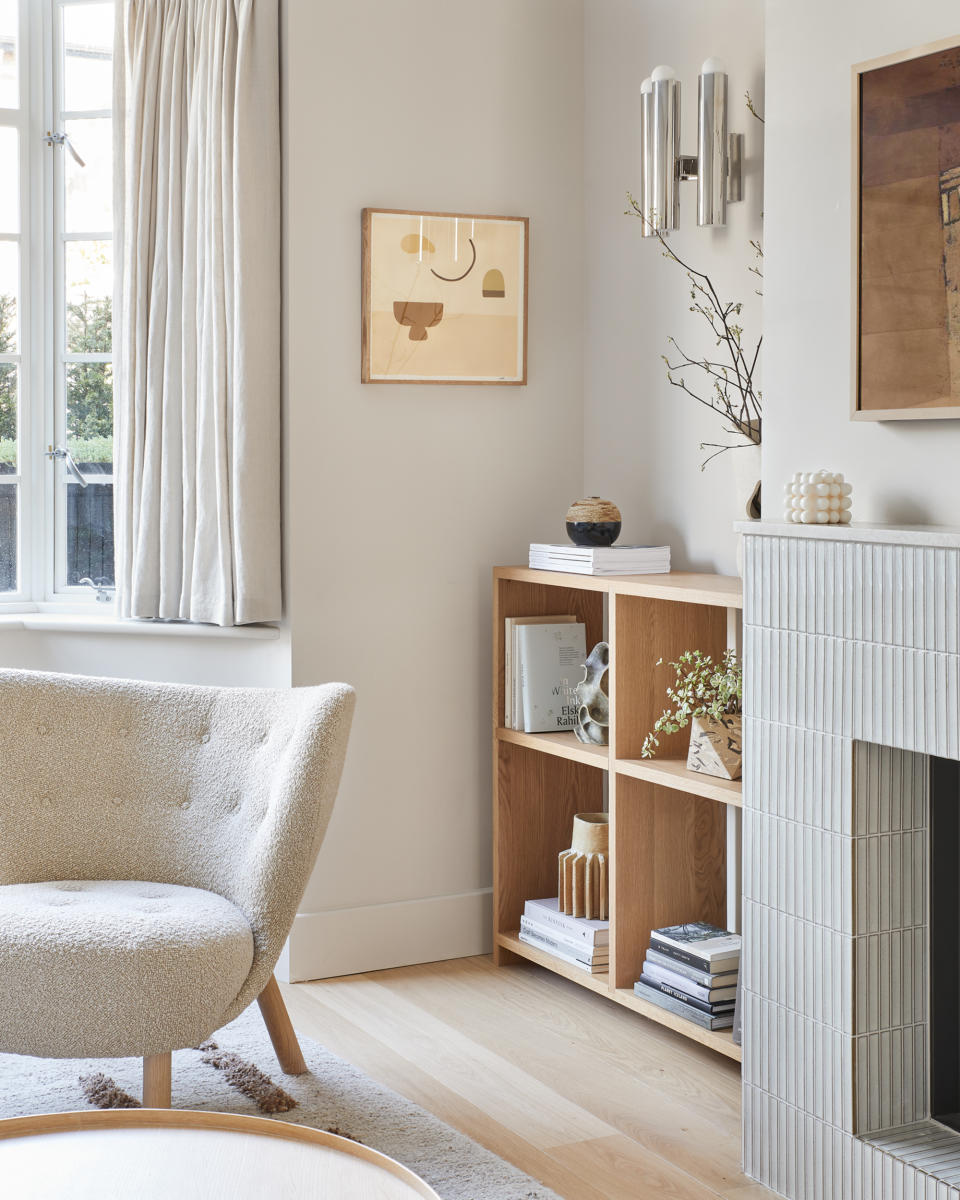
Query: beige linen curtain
{"x": 197, "y": 328}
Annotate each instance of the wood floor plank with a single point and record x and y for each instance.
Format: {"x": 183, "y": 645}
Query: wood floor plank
{"x": 545, "y": 1116}
{"x": 622, "y": 1172}
{"x": 592, "y": 1100}
{"x": 554, "y": 1005}
{"x": 383, "y": 1064}
{"x": 646, "y": 1110}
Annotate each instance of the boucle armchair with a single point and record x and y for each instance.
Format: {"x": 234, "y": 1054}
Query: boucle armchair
{"x": 155, "y": 841}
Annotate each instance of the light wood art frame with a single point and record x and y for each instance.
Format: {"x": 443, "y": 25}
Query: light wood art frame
{"x": 857, "y": 413}
{"x": 673, "y": 854}
{"x": 366, "y": 324}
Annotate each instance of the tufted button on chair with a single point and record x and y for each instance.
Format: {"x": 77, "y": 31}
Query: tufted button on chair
{"x": 155, "y": 841}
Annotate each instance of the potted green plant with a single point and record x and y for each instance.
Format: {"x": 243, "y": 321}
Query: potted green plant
{"x": 707, "y": 696}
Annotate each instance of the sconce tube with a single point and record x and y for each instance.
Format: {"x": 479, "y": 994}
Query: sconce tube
{"x": 646, "y": 157}
{"x": 712, "y": 145}
{"x": 665, "y": 212}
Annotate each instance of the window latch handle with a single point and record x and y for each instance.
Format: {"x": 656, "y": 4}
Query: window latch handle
{"x": 103, "y": 589}
{"x": 63, "y": 139}
{"x": 63, "y": 453}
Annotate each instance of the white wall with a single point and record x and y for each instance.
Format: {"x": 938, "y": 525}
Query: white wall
{"x": 401, "y": 498}
{"x": 901, "y": 471}
{"x": 642, "y": 436}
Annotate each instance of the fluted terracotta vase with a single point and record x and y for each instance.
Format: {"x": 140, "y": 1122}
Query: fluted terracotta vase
{"x": 583, "y": 886}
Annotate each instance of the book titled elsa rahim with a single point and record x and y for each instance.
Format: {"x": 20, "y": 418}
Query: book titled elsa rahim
{"x": 680, "y": 1009}
{"x": 547, "y": 913}
{"x": 512, "y": 711}
{"x": 550, "y": 658}
{"x": 703, "y": 946}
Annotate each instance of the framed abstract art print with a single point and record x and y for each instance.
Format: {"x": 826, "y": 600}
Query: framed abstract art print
{"x": 444, "y": 298}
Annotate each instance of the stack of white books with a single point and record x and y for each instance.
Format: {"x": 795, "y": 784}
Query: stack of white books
{"x": 574, "y": 940}
{"x": 600, "y": 560}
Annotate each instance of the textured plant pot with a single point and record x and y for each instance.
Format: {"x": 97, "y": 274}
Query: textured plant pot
{"x": 716, "y": 746}
{"x": 583, "y": 888}
{"x": 593, "y": 522}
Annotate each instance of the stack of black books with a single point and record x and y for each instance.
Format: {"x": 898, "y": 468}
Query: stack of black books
{"x": 692, "y": 970}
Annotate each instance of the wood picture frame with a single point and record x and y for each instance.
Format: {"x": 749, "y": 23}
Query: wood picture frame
{"x": 426, "y": 319}
{"x": 905, "y": 307}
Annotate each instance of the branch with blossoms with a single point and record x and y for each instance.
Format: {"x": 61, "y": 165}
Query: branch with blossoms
{"x": 725, "y": 383}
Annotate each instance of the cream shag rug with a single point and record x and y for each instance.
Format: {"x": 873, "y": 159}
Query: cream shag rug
{"x": 333, "y": 1095}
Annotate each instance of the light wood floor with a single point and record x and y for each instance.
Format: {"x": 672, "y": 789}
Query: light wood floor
{"x": 586, "y": 1096}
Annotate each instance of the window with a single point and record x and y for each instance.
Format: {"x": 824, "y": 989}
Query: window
{"x": 56, "y": 283}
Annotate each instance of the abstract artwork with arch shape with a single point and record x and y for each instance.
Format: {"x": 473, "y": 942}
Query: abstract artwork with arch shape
{"x": 444, "y": 298}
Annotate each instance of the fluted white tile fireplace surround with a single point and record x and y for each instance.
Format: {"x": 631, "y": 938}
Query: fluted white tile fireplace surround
{"x": 852, "y": 690}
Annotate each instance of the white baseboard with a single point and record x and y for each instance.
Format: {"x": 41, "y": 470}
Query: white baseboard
{"x": 345, "y": 941}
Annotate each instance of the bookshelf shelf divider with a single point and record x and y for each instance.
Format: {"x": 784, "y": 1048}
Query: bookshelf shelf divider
{"x": 674, "y": 834}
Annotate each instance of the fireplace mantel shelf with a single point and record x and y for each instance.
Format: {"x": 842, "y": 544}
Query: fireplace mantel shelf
{"x": 940, "y": 536}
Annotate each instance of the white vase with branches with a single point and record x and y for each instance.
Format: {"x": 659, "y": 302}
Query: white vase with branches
{"x": 725, "y": 379}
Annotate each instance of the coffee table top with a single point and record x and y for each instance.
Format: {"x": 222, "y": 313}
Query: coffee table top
{"x": 177, "y": 1153}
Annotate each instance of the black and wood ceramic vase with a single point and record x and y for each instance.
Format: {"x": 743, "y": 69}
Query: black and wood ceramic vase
{"x": 593, "y": 522}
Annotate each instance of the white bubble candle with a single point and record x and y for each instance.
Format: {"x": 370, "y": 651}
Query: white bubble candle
{"x": 818, "y": 498}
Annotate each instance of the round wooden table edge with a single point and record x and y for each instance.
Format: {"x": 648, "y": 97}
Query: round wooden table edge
{"x": 185, "y": 1118}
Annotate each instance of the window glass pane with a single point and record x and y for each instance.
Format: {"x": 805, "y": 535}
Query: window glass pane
{"x": 8, "y": 419}
{"x": 90, "y": 441}
{"x": 90, "y": 415}
{"x": 9, "y": 289}
{"x": 89, "y": 189}
{"x": 87, "y": 54}
{"x": 10, "y": 175}
{"x": 8, "y": 537}
{"x": 89, "y": 533}
{"x": 89, "y": 292}
{"x": 9, "y": 84}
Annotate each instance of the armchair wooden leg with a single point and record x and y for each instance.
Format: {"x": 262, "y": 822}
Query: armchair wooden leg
{"x": 277, "y": 1021}
{"x": 156, "y": 1081}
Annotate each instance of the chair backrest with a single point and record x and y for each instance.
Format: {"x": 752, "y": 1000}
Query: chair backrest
{"x": 228, "y": 789}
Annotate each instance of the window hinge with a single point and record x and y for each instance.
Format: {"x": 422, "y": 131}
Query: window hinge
{"x": 63, "y": 139}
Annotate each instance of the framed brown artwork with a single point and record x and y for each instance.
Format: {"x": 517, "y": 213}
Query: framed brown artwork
{"x": 907, "y": 235}
{"x": 444, "y": 298}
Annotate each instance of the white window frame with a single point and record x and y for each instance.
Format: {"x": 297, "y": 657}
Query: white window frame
{"x": 41, "y": 319}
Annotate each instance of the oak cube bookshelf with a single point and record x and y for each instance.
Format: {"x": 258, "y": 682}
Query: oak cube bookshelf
{"x": 674, "y": 833}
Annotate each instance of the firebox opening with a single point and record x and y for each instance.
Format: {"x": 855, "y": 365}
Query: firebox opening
{"x": 945, "y": 941}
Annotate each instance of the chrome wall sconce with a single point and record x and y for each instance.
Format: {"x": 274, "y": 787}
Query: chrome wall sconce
{"x": 717, "y": 166}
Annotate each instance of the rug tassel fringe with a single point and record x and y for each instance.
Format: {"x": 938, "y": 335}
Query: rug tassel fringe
{"x": 247, "y": 1079}
{"x": 103, "y": 1092}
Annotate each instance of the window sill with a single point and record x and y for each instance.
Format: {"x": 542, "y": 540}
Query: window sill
{"x": 78, "y": 623}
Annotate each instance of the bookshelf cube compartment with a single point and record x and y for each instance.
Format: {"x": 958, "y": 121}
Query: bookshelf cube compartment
{"x": 519, "y": 598}
{"x": 539, "y": 795}
{"x": 668, "y": 865}
{"x": 645, "y": 630}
